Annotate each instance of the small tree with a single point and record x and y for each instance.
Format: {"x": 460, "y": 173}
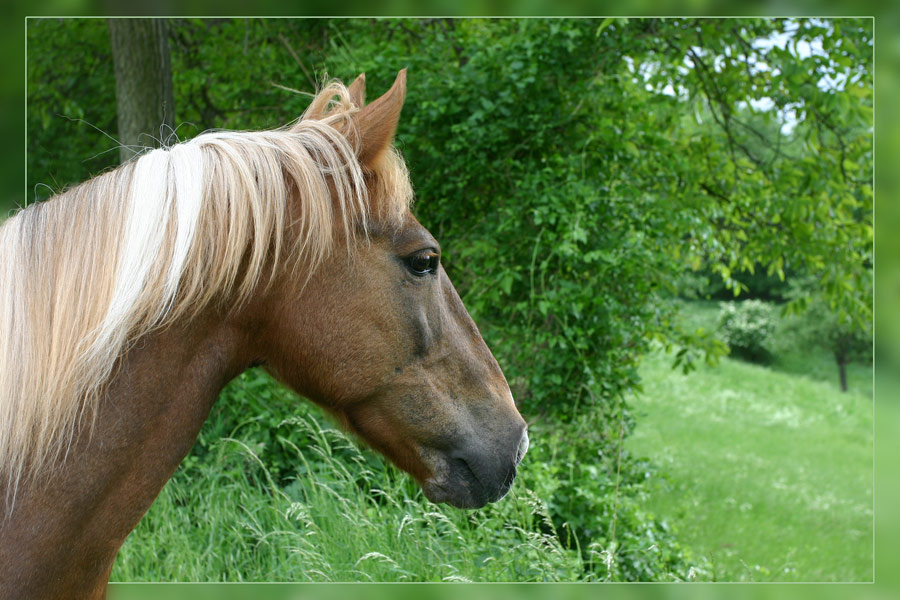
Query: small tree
{"x": 820, "y": 324}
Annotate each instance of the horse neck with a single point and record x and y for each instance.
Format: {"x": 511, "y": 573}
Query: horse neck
{"x": 62, "y": 537}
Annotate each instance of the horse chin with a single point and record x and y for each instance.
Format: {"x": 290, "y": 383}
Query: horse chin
{"x": 456, "y": 484}
{"x": 458, "y": 493}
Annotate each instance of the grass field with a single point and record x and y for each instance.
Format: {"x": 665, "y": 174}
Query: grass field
{"x": 767, "y": 470}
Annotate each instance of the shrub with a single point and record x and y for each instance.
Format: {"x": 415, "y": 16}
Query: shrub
{"x": 596, "y": 500}
{"x": 747, "y": 328}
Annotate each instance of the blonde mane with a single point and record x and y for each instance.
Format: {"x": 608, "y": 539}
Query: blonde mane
{"x": 87, "y": 273}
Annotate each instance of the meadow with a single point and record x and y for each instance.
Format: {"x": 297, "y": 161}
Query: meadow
{"x": 767, "y": 469}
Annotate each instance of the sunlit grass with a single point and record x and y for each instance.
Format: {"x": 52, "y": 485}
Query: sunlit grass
{"x": 768, "y": 470}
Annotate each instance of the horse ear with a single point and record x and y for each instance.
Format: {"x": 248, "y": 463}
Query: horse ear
{"x": 357, "y": 90}
{"x": 377, "y": 122}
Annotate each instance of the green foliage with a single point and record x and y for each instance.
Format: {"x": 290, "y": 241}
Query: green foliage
{"x": 747, "y": 328}
{"x": 593, "y": 186}
{"x": 597, "y": 505}
{"x": 758, "y": 285}
{"x": 239, "y": 73}
{"x": 816, "y": 323}
{"x": 71, "y": 102}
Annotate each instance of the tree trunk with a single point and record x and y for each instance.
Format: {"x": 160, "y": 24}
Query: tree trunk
{"x": 144, "y": 101}
{"x": 842, "y": 367}
{"x": 842, "y": 357}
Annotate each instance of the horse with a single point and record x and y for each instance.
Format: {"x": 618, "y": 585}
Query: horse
{"x": 129, "y": 301}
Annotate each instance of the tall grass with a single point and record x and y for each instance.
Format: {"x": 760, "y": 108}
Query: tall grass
{"x": 225, "y": 518}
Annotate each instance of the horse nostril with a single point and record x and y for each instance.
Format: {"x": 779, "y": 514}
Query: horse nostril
{"x": 523, "y": 447}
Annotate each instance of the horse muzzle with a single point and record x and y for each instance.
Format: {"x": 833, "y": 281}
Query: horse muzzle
{"x": 470, "y": 478}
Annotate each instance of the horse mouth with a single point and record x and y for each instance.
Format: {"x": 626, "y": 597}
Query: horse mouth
{"x": 460, "y": 487}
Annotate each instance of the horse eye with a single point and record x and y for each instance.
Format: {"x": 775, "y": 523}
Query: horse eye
{"x": 423, "y": 263}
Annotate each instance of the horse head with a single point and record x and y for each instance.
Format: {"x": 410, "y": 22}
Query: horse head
{"x": 379, "y": 337}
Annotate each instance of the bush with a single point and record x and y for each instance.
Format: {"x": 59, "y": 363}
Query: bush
{"x": 596, "y": 500}
{"x": 747, "y": 328}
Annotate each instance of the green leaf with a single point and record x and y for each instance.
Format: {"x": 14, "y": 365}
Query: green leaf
{"x": 506, "y": 283}
{"x": 604, "y": 24}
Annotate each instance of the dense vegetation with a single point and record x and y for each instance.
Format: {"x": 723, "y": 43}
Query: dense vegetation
{"x": 579, "y": 174}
